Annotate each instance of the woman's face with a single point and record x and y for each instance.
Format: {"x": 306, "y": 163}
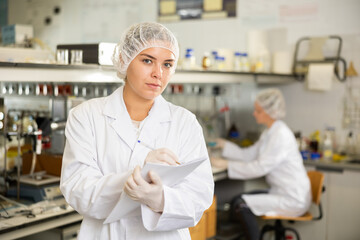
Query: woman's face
{"x": 150, "y": 71}
{"x": 260, "y": 115}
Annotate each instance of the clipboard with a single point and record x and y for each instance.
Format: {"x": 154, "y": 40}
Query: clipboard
{"x": 170, "y": 175}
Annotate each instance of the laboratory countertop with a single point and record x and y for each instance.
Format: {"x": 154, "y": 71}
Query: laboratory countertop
{"x": 348, "y": 164}
{"x": 49, "y": 214}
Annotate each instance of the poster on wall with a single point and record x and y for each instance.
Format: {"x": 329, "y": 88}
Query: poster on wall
{"x": 178, "y": 10}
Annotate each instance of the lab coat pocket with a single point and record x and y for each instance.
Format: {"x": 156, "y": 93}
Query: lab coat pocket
{"x": 135, "y": 230}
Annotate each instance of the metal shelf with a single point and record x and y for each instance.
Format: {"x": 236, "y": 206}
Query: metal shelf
{"x": 182, "y": 76}
{"x": 29, "y": 72}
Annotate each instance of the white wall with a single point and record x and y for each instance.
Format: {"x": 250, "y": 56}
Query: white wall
{"x": 84, "y": 21}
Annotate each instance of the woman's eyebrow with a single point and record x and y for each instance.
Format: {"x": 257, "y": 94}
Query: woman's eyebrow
{"x": 147, "y": 55}
{"x": 154, "y": 58}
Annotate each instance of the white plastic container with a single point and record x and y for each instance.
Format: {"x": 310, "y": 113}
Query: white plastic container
{"x": 237, "y": 62}
{"x": 245, "y": 64}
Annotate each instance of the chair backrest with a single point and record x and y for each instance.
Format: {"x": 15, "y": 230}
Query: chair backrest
{"x": 317, "y": 182}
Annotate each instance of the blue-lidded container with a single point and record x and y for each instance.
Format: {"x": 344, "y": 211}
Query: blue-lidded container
{"x": 305, "y": 154}
{"x": 315, "y": 156}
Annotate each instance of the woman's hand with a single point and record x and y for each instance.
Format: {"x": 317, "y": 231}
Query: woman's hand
{"x": 219, "y": 162}
{"x": 220, "y": 143}
{"x": 150, "y": 194}
{"x": 162, "y": 155}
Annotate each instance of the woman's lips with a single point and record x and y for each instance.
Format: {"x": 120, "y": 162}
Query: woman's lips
{"x": 153, "y": 85}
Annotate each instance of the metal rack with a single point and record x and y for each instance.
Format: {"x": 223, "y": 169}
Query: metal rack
{"x": 300, "y": 66}
{"x": 19, "y": 133}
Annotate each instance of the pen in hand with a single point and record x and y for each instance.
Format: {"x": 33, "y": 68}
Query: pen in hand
{"x": 145, "y": 145}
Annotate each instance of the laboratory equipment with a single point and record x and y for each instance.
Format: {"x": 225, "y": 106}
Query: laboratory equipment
{"x": 62, "y": 56}
{"x": 16, "y": 34}
{"x": 76, "y": 56}
{"x": 98, "y": 53}
{"x": 38, "y": 190}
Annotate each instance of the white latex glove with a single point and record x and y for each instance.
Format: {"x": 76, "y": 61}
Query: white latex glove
{"x": 219, "y": 162}
{"x": 150, "y": 194}
{"x": 162, "y": 155}
{"x": 220, "y": 143}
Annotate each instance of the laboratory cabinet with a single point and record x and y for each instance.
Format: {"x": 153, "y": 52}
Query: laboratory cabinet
{"x": 340, "y": 202}
{"x": 343, "y": 210}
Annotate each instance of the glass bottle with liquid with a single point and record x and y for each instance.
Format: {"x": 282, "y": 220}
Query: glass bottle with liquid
{"x": 206, "y": 61}
{"x": 350, "y": 144}
{"x": 327, "y": 147}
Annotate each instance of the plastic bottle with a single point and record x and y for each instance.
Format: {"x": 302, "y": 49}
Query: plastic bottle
{"x": 187, "y": 65}
{"x": 220, "y": 63}
{"x": 213, "y": 60}
{"x": 327, "y": 147}
{"x": 263, "y": 61}
{"x": 233, "y": 133}
{"x": 237, "y": 62}
{"x": 189, "y": 61}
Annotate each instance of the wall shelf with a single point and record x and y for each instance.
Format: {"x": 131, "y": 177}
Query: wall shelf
{"x": 29, "y": 72}
{"x": 182, "y": 76}
{"x": 32, "y": 72}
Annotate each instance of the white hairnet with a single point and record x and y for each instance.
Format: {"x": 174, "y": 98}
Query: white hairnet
{"x": 273, "y": 103}
{"x": 139, "y": 37}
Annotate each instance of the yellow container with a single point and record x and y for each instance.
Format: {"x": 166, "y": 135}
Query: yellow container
{"x": 206, "y": 228}
{"x": 211, "y": 220}
{"x": 199, "y": 231}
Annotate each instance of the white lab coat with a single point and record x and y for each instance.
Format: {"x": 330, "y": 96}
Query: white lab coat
{"x": 101, "y": 151}
{"x": 275, "y": 156}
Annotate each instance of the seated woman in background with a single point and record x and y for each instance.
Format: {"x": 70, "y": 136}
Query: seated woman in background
{"x": 276, "y": 156}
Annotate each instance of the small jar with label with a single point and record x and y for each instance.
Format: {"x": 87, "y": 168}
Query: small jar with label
{"x": 206, "y": 61}
{"x": 187, "y": 62}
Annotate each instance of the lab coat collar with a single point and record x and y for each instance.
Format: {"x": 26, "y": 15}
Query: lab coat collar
{"x": 273, "y": 127}
{"x": 121, "y": 122}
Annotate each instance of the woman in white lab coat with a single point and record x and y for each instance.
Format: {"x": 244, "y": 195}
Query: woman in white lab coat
{"x": 103, "y": 157}
{"x": 276, "y": 156}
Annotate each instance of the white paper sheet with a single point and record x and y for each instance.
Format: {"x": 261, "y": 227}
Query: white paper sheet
{"x": 169, "y": 174}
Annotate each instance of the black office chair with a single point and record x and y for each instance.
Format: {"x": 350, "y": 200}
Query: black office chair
{"x": 317, "y": 182}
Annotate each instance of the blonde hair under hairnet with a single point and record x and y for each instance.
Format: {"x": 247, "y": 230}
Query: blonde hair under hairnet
{"x": 139, "y": 37}
{"x": 273, "y": 103}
